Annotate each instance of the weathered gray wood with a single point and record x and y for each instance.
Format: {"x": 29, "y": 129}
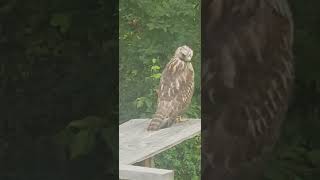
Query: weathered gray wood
{"x": 143, "y": 173}
{"x": 137, "y": 144}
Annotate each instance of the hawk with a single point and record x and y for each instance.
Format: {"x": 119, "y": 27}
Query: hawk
{"x": 247, "y": 79}
{"x": 175, "y": 89}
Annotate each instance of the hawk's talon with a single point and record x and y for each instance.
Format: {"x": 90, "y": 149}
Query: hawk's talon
{"x": 179, "y": 119}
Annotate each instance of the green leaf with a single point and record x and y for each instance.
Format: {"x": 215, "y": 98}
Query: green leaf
{"x": 81, "y": 143}
{"x": 154, "y": 60}
{"x": 134, "y": 72}
{"x": 61, "y": 20}
{"x": 148, "y": 102}
{"x": 155, "y": 68}
{"x": 150, "y": 26}
{"x": 108, "y": 137}
{"x": 63, "y": 137}
{"x": 139, "y": 102}
{"x": 314, "y": 157}
{"x": 156, "y": 76}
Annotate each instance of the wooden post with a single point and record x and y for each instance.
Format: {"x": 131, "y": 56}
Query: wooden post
{"x": 149, "y": 162}
{"x": 146, "y": 163}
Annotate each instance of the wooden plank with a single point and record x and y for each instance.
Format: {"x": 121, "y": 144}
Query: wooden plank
{"x": 130, "y": 172}
{"x": 137, "y": 144}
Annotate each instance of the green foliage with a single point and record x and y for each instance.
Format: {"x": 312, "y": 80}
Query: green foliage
{"x": 184, "y": 158}
{"x": 150, "y": 31}
{"x": 79, "y": 137}
{"x": 57, "y": 65}
{"x": 62, "y": 21}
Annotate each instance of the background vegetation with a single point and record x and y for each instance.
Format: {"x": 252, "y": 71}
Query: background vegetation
{"x": 58, "y": 90}
{"x": 150, "y": 32}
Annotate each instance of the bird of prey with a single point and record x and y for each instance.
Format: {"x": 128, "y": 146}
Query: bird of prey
{"x": 247, "y": 79}
{"x": 175, "y": 89}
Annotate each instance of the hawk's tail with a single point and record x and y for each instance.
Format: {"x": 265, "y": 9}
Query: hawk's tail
{"x": 159, "y": 122}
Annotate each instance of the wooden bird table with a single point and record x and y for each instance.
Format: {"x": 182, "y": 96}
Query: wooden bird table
{"x": 137, "y": 146}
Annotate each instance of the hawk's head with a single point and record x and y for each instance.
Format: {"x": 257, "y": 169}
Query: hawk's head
{"x": 184, "y": 53}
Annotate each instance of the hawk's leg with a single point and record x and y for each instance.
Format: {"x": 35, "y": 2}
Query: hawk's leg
{"x": 179, "y": 119}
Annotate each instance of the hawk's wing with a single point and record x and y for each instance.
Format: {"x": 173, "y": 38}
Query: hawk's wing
{"x": 246, "y": 79}
{"x": 281, "y": 7}
{"x": 175, "y": 89}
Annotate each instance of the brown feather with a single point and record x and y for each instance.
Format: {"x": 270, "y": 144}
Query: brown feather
{"x": 247, "y": 78}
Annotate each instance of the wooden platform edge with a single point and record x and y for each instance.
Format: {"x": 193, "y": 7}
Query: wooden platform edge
{"x": 130, "y": 172}
{"x": 168, "y": 147}
{"x": 191, "y": 128}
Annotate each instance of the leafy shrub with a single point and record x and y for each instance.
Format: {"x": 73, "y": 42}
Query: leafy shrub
{"x": 183, "y": 158}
